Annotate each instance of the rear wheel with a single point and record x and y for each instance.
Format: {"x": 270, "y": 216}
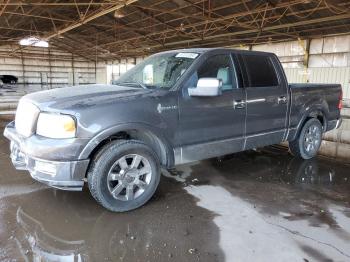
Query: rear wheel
{"x": 124, "y": 175}
{"x": 308, "y": 142}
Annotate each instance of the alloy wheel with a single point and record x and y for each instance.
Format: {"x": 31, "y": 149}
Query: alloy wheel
{"x": 129, "y": 177}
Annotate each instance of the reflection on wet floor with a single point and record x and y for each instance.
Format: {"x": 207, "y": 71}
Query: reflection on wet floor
{"x": 276, "y": 208}
{"x": 252, "y": 206}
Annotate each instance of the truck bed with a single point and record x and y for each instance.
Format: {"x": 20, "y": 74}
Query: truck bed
{"x": 322, "y": 96}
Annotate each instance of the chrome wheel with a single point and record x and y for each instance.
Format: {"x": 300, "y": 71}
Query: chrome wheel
{"x": 312, "y": 139}
{"x": 129, "y": 177}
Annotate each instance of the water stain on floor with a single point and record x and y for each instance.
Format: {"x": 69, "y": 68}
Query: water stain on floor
{"x": 259, "y": 205}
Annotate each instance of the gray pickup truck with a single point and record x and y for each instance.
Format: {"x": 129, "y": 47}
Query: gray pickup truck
{"x": 174, "y": 107}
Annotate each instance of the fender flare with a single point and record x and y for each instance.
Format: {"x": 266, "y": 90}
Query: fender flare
{"x": 141, "y": 127}
{"x": 316, "y": 110}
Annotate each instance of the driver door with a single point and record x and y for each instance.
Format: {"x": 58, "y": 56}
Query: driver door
{"x": 212, "y": 126}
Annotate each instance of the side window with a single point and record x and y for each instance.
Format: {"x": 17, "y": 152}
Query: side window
{"x": 220, "y": 67}
{"x": 260, "y": 71}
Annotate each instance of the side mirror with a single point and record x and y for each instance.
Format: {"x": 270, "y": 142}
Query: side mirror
{"x": 206, "y": 87}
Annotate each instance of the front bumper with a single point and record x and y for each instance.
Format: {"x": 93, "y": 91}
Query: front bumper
{"x": 67, "y": 175}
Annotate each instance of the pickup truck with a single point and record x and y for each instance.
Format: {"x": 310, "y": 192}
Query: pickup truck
{"x": 174, "y": 107}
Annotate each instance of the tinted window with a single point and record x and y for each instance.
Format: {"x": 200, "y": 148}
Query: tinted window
{"x": 220, "y": 67}
{"x": 260, "y": 71}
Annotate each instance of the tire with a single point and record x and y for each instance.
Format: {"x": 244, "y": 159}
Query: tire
{"x": 115, "y": 183}
{"x": 308, "y": 140}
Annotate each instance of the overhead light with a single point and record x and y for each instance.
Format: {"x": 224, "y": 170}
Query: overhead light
{"x": 33, "y": 41}
{"x": 119, "y": 13}
{"x": 182, "y": 27}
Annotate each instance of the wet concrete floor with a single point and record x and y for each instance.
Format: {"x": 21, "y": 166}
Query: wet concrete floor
{"x": 253, "y": 206}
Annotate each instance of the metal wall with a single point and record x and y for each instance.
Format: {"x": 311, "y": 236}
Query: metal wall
{"x": 49, "y": 67}
{"x": 339, "y": 75}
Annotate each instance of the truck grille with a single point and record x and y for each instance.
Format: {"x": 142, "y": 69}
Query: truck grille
{"x": 26, "y": 117}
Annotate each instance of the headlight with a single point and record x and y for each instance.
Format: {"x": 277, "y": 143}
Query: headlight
{"x": 26, "y": 117}
{"x": 56, "y": 126}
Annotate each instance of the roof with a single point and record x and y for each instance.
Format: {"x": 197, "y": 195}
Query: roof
{"x": 106, "y": 30}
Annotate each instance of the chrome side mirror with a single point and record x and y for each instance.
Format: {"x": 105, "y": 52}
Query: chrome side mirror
{"x": 206, "y": 87}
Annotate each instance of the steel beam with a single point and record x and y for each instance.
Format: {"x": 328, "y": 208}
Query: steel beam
{"x": 89, "y": 18}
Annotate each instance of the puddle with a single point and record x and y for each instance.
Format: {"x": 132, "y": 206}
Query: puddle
{"x": 252, "y": 206}
{"x": 275, "y": 208}
{"x": 50, "y": 225}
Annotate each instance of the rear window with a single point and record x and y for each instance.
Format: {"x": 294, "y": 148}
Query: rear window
{"x": 260, "y": 71}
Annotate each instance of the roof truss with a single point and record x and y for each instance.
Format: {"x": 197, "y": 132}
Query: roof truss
{"x": 108, "y": 30}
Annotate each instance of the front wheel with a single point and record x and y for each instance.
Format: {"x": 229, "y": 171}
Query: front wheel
{"x": 124, "y": 175}
{"x": 308, "y": 141}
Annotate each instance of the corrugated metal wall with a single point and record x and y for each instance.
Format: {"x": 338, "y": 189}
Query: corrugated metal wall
{"x": 48, "y": 66}
{"x": 340, "y": 75}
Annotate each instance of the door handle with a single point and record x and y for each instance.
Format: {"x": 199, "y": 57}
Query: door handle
{"x": 258, "y": 100}
{"x": 282, "y": 100}
{"x": 238, "y": 104}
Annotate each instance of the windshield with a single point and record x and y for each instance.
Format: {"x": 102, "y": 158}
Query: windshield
{"x": 158, "y": 71}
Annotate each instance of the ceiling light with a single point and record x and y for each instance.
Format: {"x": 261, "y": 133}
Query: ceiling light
{"x": 33, "y": 41}
{"x": 182, "y": 27}
{"x": 119, "y": 13}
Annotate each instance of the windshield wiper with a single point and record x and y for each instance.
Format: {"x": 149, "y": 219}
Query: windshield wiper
{"x": 132, "y": 83}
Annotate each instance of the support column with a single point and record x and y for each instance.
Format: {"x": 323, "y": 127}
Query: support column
{"x": 95, "y": 71}
{"x": 306, "y": 59}
{"x": 23, "y": 68}
{"x": 49, "y": 78}
{"x": 307, "y": 53}
{"x": 73, "y": 73}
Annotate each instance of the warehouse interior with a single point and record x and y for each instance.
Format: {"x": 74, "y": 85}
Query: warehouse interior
{"x": 305, "y": 210}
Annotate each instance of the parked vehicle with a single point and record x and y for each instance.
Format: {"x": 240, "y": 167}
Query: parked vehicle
{"x": 9, "y": 79}
{"x": 174, "y": 107}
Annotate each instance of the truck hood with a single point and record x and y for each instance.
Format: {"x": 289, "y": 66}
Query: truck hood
{"x": 79, "y": 97}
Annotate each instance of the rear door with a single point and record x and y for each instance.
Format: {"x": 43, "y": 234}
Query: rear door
{"x": 267, "y": 99}
{"x": 211, "y": 126}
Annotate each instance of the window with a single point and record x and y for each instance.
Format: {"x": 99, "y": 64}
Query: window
{"x": 218, "y": 66}
{"x": 260, "y": 71}
{"x": 158, "y": 71}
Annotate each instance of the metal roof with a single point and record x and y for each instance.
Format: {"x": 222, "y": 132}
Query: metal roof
{"x": 106, "y": 29}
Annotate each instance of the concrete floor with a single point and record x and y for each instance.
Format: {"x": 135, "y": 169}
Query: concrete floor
{"x": 252, "y": 206}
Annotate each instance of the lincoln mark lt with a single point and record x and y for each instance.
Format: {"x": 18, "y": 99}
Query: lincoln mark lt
{"x": 173, "y": 108}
